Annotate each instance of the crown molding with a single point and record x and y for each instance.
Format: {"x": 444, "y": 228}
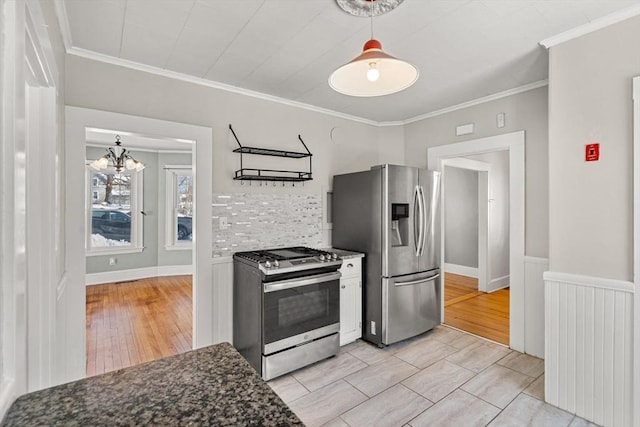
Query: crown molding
{"x": 592, "y": 26}
{"x": 63, "y": 22}
{"x": 210, "y": 83}
{"x": 478, "y": 101}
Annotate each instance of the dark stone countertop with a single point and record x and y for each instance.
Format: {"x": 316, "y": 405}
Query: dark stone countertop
{"x": 211, "y": 386}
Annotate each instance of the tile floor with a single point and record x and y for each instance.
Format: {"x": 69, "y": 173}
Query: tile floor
{"x": 441, "y": 378}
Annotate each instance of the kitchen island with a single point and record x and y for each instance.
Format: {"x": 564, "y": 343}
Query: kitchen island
{"x": 214, "y": 386}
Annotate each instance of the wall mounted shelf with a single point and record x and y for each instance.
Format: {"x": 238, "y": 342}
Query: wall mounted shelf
{"x": 251, "y": 174}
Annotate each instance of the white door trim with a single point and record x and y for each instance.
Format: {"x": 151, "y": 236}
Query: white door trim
{"x": 636, "y": 250}
{"x": 484, "y": 256}
{"x": 78, "y": 119}
{"x": 514, "y": 143}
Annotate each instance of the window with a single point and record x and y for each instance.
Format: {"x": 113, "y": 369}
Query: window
{"x": 179, "y": 212}
{"x": 114, "y": 213}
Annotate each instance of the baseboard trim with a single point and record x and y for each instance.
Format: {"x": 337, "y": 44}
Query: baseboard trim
{"x": 137, "y": 273}
{"x": 7, "y": 396}
{"x": 462, "y": 270}
{"x": 499, "y": 283}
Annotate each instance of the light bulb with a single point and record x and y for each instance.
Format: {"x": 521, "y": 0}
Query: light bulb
{"x": 139, "y": 166}
{"x": 130, "y": 163}
{"x": 101, "y": 163}
{"x": 372, "y": 73}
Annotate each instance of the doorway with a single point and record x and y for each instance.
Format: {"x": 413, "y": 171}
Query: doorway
{"x": 139, "y": 257}
{"x": 476, "y": 296}
{"x": 78, "y": 120}
{"x": 513, "y": 144}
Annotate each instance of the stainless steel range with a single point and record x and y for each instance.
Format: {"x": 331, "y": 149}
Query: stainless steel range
{"x": 286, "y": 308}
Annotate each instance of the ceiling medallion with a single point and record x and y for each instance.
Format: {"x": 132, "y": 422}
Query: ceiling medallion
{"x": 363, "y": 7}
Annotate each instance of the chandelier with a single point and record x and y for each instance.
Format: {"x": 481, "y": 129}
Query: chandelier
{"x": 117, "y": 158}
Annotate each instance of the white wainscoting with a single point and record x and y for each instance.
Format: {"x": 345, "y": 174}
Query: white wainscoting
{"x": 534, "y": 268}
{"x": 223, "y": 298}
{"x": 589, "y": 347}
{"x": 137, "y": 273}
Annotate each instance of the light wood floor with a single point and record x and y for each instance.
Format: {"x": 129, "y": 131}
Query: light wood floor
{"x": 482, "y": 314}
{"x": 135, "y": 322}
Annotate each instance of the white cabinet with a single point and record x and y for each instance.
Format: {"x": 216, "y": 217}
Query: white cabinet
{"x": 350, "y": 300}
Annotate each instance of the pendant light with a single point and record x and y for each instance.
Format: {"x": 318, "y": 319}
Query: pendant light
{"x": 118, "y": 158}
{"x": 373, "y": 72}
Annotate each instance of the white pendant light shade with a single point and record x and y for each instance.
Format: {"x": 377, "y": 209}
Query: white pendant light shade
{"x": 373, "y": 73}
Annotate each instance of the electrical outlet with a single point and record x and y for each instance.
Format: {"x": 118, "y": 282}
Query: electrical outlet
{"x": 500, "y": 120}
{"x": 373, "y": 327}
{"x": 113, "y": 261}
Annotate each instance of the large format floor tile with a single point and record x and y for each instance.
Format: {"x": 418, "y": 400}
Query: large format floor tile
{"x": 288, "y": 388}
{"x": 379, "y": 377}
{"x": 479, "y": 356}
{"x": 369, "y": 353}
{"x": 394, "y": 407}
{"x": 425, "y": 352}
{"x": 328, "y": 371}
{"x": 497, "y": 385}
{"x": 523, "y": 363}
{"x": 438, "y": 380}
{"x": 441, "y": 378}
{"x": 457, "y": 409}
{"x": 327, "y": 403}
{"x": 536, "y": 388}
{"x": 529, "y": 411}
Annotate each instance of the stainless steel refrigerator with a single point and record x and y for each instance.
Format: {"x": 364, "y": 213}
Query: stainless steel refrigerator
{"x": 390, "y": 214}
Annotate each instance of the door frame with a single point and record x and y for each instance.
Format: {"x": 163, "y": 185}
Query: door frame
{"x": 514, "y": 143}
{"x": 484, "y": 217}
{"x": 77, "y": 120}
{"x": 636, "y": 249}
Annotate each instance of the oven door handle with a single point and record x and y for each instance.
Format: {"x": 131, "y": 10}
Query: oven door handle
{"x": 296, "y": 283}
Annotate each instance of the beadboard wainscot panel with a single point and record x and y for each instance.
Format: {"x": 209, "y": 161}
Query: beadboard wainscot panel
{"x": 263, "y": 221}
{"x": 589, "y": 347}
{"x": 222, "y": 268}
{"x": 534, "y": 268}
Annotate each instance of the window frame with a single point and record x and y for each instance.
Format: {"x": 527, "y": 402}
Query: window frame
{"x": 137, "y": 218}
{"x": 171, "y": 191}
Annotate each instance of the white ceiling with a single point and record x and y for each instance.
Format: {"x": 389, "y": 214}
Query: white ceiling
{"x": 464, "y": 49}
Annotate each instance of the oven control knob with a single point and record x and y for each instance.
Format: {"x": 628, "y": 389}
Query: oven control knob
{"x": 276, "y": 263}
{"x": 322, "y": 257}
{"x": 267, "y": 264}
{"x": 334, "y": 256}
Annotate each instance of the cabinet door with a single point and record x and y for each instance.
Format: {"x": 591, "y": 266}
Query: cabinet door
{"x": 350, "y": 309}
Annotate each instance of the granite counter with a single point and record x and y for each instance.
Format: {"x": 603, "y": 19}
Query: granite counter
{"x": 210, "y": 386}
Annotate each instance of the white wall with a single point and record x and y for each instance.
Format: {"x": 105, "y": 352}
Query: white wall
{"x": 461, "y": 217}
{"x": 590, "y": 101}
{"x": 338, "y": 145}
{"x": 525, "y": 111}
{"x": 591, "y": 214}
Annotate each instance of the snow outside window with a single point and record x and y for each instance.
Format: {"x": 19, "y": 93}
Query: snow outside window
{"x": 179, "y": 207}
{"x": 114, "y": 213}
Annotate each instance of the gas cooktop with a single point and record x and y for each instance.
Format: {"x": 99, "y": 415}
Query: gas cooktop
{"x": 282, "y": 260}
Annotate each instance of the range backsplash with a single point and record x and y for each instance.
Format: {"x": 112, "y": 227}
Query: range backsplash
{"x": 263, "y": 221}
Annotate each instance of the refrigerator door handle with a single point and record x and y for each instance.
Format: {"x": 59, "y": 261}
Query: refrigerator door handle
{"x": 417, "y": 224}
{"x": 417, "y": 282}
{"x": 421, "y": 221}
{"x": 424, "y": 221}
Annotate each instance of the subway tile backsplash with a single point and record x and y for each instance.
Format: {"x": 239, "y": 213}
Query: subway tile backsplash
{"x": 263, "y": 221}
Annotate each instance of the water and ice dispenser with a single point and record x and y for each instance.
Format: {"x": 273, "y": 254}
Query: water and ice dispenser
{"x": 399, "y": 224}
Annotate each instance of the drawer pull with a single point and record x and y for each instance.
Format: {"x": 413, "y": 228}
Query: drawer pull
{"x": 349, "y": 265}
